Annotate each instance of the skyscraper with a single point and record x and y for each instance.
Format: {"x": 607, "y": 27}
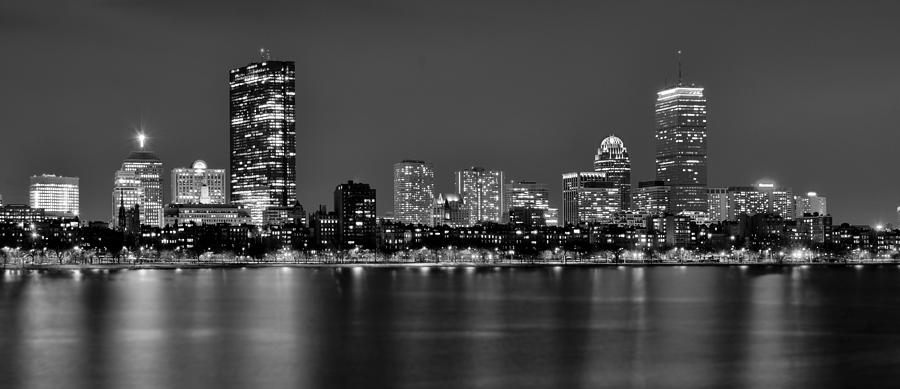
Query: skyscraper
{"x": 354, "y": 203}
{"x": 127, "y": 192}
{"x": 198, "y": 185}
{"x": 652, "y": 197}
{"x": 57, "y": 196}
{"x": 413, "y": 192}
{"x": 147, "y": 170}
{"x": 263, "y": 136}
{"x": 482, "y": 192}
{"x": 612, "y": 160}
{"x": 589, "y": 197}
{"x": 681, "y": 147}
{"x": 524, "y": 196}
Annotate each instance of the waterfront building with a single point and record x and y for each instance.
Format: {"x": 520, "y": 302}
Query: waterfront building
{"x": 652, "y": 197}
{"x": 681, "y": 146}
{"x": 56, "y": 195}
{"x": 675, "y": 228}
{"x": 529, "y": 195}
{"x": 717, "y": 200}
{"x": 21, "y": 214}
{"x": 263, "y": 148}
{"x": 354, "y": 204}
{"x": 127, "y": 192}
{"x": 280, "y": 216}
{"x": 198, "y": 185}
{"x": 612, "y": 160}
{"x": 746, "y": 200}
{"x": 483, "y": 193}
{"x": 812, "y": 203}
{"x": 323, "y": 226}
{"x": 413, "y": 192}
{"x": 589, "y": 198}
{"x": 779, "y": 201}
{"x": 551, "y": 217}
{"x": 147, "y": 170}
{"x": 449, "y": 210}
{"x": 199, "y": 214}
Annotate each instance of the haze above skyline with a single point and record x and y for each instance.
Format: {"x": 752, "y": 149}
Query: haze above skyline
{"x": 801, "y": 93}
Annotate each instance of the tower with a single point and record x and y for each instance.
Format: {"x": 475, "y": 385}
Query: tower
{"x": 681, "y": 148}
{"x": 612, "y": 160}
{"x": 263, "y": 148}
{"x": 413, "y": 192}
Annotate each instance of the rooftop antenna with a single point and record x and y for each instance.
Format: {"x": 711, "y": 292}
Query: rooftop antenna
{"x": 264, "y": 53}
{"x": 679, "y": 68}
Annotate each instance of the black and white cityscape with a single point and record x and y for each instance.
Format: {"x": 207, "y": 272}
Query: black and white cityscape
{"x": 250, "y": 211}
{"x": 419, "y": 194}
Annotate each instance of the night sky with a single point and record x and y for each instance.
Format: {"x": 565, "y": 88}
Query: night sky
{"x": 803, "y": 93}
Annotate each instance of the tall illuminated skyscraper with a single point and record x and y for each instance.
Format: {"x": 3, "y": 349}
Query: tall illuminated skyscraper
{"x": 413, "y": 192}
{"x": 144, "y": 170}
{"x": 482, "y": 191}
{"x": 198, "y": 185}
{"x": 127, "y": 192}
{"x": 681, "y": 147}
{"x": 263, "y": 136}
{"x": 57, "y": 196}
{"x": 612, "y": 160}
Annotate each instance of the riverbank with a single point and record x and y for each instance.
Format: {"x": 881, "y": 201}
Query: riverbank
{"x": 251, "y": 265}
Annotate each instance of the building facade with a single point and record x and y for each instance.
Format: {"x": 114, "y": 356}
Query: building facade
{"x": 263, "y": 148}
{"x": 681, "y": 146}
{"x": 810, "y": 204}
{"x": 588, "y": 197}
{"x": 483, "y": 193}
{"x": 717, "y": 200}
{"x": 148, "y": 171}
{"x": 612, "y": 160}
{"x": 56, "y": 195}
{"x": 354, "y": 204}
{"x": 652, "y": 197}
{"x": 449, "y": 210}
{"x": 198, "y": 185}
{"x": 413, "y": 192}
{"x": 127, "y": 192}
{"x": 200, "y": 214}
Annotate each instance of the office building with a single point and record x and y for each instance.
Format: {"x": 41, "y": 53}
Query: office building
{"x": 589, "y": 198}
{"x": 746, "y": 200}
{"x": 651, "y": 197}
{"x": 21, "y": 214}
{"x": 354, "y": 204}
{"x": 127, "y": 192}
{"x": 56, "y": 195}
{"x": 263, "y": 146}
{"x": 483, "y": 193}
{"x": 681, "y": 148}
{"x": 612, "y": 160}
{"x": 200, "y": 214}
{"x": 147, "y": 170}
{"x": 413, "y": 192}
{"x": 198, "y": 185}
{"x": 811, "y": 204}
{"x": 717, "y": 199}
{"x": 522, "y": 196}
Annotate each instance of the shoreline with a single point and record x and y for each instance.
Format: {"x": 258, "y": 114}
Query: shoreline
{"x": 444, "y": 265}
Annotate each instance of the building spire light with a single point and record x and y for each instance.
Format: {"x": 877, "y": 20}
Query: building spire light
{"x": 141, "y": 138}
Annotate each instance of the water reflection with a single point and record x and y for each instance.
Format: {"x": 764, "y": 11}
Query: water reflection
{"x": 439, "y": 327}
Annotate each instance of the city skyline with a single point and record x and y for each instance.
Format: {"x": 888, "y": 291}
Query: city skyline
{"x": 576, "y": 114}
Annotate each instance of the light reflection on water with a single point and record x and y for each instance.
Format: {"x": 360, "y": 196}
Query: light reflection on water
{"x": 440, "y": 327}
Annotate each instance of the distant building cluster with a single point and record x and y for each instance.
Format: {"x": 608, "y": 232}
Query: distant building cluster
{"x": 255, "y": 200}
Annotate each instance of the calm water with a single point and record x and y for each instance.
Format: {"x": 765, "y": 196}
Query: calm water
{"x": 654, "y": 327}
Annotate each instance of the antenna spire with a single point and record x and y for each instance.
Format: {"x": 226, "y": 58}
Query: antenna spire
{"x": 679, "y": 68}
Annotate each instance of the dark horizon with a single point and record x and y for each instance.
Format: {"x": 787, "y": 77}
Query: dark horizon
{"x": 801, "y": 93}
